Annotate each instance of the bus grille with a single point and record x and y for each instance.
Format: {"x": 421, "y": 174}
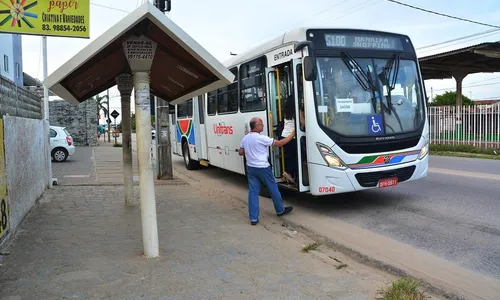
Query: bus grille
{"x": 371, "y": 179}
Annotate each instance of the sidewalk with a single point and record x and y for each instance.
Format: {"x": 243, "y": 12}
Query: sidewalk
{"x": 80, "y": 242}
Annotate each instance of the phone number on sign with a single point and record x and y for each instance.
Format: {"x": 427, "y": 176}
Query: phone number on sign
{"x": 79, "y": 28}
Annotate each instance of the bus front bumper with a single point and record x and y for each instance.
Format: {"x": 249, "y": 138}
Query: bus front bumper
{"x": 335, "y": 181}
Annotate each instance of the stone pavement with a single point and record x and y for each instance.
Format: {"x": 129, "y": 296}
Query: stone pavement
{"x": 80, "y": 242}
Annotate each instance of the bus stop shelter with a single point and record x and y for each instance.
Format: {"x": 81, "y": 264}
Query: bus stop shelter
{"x": 480, "y": 58}
{"x": 150, "y": 53}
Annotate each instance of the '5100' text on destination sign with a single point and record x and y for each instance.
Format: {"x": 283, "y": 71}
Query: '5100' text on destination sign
{"x": 66, "y": 18}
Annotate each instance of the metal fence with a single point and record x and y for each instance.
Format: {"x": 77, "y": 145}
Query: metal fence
{"x": 477, "y": 125}
{"x": 17, "y": 101}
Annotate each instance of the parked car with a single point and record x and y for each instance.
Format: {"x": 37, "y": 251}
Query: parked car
{"x": 61, "y": 143}
{"x": 153, "y": 132}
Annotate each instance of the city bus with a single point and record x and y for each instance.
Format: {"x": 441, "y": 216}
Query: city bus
{"x": 361, "y": 95}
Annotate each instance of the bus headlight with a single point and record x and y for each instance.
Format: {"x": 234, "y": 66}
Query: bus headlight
{"x": 331, "y": 159}
{"x": 425, "y": 150}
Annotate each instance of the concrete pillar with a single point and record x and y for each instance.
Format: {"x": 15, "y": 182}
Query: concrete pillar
{"x": 125, "y": 86}
{"x": 459, "y": 77}
{"x": 140, "y": 52}
{"x": 164, "y": 152}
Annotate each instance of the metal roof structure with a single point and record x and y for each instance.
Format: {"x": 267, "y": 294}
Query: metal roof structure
{"x": 480, "y": 58}
{"x": 181, "y": 67}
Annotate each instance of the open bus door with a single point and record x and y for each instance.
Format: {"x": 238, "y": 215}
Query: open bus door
{"x": 273, "y": 118}
{"x": 300, "y": 134}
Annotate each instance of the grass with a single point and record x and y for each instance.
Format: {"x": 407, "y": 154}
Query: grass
{"x": 309, "y": 247}
{"x": 464, "y": 151}
{"x": 402, "y": 289}
{"x": 117, "y": 145}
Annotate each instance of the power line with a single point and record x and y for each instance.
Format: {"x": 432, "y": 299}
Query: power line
{"x": 109, "y": 7}
{"x": 468, "y": 86}
{"x": 443, "y": 15}
{"x": 459, "y": 39}
{"x": 476, "y": 38}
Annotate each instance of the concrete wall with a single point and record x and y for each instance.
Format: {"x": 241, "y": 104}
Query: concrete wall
{"x": 26, "y": 164}
{"x": 80, "y": 121}
{"x": 17, "y": 101}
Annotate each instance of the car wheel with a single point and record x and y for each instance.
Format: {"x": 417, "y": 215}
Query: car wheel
{"x": 59, "y": 154}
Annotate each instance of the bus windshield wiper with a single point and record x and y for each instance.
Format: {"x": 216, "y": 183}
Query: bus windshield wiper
{"x": 364, "y": 79}
{"x": 385, "y": 76}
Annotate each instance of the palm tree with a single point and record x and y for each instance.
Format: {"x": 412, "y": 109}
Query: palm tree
{"x": 101, "y": 101}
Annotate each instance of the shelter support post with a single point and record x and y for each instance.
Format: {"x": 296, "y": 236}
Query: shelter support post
{"x": 459, "y": 77}
{"x": 164, "y": 149}
{"x": 125, "y": 86}
{"x": 140, "y": 52}
{"x": 146, "y": 180}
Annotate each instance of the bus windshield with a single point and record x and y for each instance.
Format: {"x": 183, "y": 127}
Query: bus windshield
{"x": 368, "y": 96}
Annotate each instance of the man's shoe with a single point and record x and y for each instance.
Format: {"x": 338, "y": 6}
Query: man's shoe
{"x": 254, "y": 223}
{"x": 287, "y": 210}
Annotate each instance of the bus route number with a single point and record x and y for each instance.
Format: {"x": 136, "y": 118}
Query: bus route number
{"x": 326, "y": 189}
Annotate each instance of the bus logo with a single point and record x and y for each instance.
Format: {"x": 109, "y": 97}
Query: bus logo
{"x": 387, "y": 159}
{"x": 222, "y": 129}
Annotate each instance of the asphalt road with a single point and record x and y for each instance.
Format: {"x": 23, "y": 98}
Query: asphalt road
{"x": 454, "y": 216}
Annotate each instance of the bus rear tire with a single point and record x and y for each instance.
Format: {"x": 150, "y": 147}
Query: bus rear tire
{"x": 188, "y": 162}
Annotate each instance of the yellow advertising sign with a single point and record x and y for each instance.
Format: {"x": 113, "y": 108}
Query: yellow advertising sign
{"x": 66, "y": 18}
{"x": 4, "y": 208}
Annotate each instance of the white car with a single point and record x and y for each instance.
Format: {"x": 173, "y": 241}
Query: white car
{"x": 61, "y": 143}
{"x": 153, "y": 132}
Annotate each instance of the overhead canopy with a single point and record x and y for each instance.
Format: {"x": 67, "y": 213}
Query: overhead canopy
{"x": 181, "y": 68}
{"x": 481, "y": 58}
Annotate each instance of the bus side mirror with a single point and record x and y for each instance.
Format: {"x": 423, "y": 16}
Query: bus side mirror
{"x": 310, "y": 71}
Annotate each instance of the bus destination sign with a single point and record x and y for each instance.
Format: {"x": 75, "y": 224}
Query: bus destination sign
{"x": 363, "y": 41}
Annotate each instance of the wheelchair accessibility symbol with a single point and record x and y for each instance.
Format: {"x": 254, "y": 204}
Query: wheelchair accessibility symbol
{"x": 375, "y": 124}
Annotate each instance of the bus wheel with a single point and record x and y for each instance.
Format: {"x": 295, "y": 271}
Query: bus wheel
{"x": 188, "y": 162}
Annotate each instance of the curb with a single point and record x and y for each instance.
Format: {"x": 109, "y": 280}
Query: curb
{"x": 356, "y": 255}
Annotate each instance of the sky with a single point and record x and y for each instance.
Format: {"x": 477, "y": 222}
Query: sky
{"x": 225, "y": 26}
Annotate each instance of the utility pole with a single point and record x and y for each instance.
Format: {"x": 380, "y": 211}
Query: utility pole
{"x": 108, "y": 121}
{"x": 46, "y": 109}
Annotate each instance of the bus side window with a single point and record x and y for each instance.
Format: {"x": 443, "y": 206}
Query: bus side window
{"x": 212, "y": 103}
{"x": 227, "y": 97}
{"x": 181, "y": 110}
{"x": 252, "y": 88}
{"x": 201, "y": 109}
{"x": 189, "y": 107}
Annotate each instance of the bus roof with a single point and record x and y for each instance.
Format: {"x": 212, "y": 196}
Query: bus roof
{"x": 289, "y": 37}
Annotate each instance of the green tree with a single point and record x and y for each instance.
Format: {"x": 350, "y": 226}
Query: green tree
{"x": 101, "y": 102}
{"x": 450, "y": 99}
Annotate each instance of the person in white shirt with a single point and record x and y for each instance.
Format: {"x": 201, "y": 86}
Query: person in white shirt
{"x": 290, "y": 149}
{"x": 254, "y": 147}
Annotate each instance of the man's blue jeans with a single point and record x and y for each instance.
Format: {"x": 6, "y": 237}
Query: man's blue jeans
{"x": 256, "y": 176}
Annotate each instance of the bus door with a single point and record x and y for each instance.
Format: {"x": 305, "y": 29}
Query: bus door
{"x": 273, "y": 114}
{"x": 300, "y": 134}
{"x": 173, "y": 128}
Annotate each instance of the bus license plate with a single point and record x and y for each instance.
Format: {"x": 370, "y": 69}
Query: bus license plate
{"x": 386, "y": 182}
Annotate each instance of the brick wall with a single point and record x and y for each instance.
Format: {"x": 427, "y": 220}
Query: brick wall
{"x": 80, "y": 121}
{"x": 17, "y": 101}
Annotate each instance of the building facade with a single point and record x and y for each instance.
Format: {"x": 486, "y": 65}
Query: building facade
{"x": 11, "y": 58}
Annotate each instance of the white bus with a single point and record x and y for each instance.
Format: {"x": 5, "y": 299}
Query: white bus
{"x": 362, "y": 97}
